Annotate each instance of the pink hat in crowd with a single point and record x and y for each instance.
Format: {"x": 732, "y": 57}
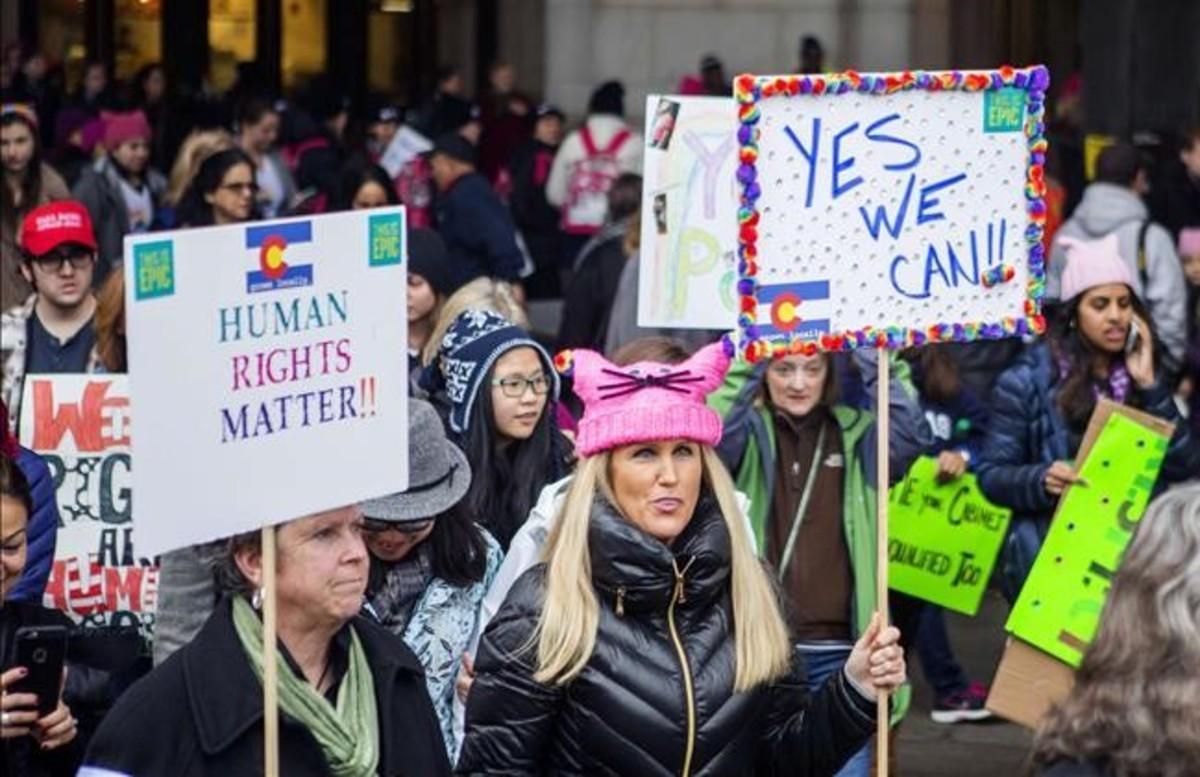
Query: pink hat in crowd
{"x": 1189, "y": 241}
{"x": 122, "y": 127}
{"x": 646, "y": 401}
{"x": 1092, "y": 263}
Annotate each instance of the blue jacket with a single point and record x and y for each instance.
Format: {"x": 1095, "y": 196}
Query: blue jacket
{"x": 1027, "y": 433}
{"x": 480, "y": 236}
{"x": 42, "y": 530}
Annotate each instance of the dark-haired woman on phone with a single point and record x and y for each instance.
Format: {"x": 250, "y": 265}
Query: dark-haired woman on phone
{"x": 30, "y": 744}
{"x": 1100, "y": 345}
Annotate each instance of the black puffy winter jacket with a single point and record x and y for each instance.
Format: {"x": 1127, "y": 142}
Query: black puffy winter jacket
{"x": 656, "y": 697}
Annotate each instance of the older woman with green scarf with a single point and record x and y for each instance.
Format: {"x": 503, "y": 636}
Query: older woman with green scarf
{"x": 352, "y": 697}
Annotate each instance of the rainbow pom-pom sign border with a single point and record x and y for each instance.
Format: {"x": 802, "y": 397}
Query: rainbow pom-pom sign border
{"x": 769, "y": 311}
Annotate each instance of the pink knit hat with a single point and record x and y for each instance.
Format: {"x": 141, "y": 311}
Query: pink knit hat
{"x": 1092, "y": 263}
{"x": 120, "y": 127}
{"x": 647, "y": 401}
{"x": 1189, "y": 241}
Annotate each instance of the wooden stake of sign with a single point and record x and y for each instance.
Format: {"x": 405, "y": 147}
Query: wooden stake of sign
{"x": 270, "y": 664}
{"x": 881, "y": 531}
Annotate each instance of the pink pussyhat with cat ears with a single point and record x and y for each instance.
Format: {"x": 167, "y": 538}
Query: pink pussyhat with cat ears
{"x": 646, "y": 401}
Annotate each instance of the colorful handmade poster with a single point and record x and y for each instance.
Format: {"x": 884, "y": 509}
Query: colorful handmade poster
{"x": 890, "y": 209}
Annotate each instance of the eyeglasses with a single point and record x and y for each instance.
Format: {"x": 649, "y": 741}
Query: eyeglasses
{"x": 372, "y": 526}
{"x": 241, "y": 188}
{"x": 514, "y": 387}
{"x": 53, "y": 262}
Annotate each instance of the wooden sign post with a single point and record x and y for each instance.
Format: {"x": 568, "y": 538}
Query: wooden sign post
{"x": 881, "y": 532}
{"x": 270, "y": 661}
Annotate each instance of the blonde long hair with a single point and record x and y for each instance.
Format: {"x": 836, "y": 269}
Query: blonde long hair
{"x": 566, "y": 631}
{"x": 479, "y": 294}
{"x": 1134, "y": 703}
{"x": 197, "y": 146}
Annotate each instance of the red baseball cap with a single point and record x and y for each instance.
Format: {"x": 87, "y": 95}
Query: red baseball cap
{"x": 48, "y": 226}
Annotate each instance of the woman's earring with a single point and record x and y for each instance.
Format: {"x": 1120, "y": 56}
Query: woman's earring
{"x": 256, "y": 599}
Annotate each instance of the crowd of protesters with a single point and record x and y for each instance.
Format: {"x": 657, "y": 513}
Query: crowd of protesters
{"x": 637, "y": 558}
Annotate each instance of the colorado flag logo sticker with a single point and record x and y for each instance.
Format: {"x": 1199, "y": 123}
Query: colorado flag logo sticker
{"x": 794, "y": 310}
{"x": 272, "y": 242}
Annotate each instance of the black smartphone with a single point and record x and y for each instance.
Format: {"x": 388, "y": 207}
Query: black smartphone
{"x": 42, "y": 651}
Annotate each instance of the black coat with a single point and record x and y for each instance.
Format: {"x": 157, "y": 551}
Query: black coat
{"x": 100, "y": 663}
{"x": 480, "y": 236}
{"x": 588, "y": 302}
{"x": 200, "y": 713}
{"x": 626, "y": 713}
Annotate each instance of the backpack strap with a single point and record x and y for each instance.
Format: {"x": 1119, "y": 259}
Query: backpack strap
{"x": 1143, "y": 274}
{"x": 617, "y": 141}
{"x": 589, "y": 143}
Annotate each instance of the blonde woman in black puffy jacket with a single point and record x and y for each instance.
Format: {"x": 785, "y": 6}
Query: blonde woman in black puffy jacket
{"x": 651, "y": 641}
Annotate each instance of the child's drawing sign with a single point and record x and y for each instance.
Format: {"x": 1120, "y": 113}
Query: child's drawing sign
{"x": 689, "y": 214}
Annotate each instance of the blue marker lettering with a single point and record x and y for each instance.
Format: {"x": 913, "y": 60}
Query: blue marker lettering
{"x": 926, "y": 203}
{"x": 838, "y": 166}
{"x": 896, "y": 262}
{"x": 878, "y": 137}
{"x": 809, "y": 156}
{"x": 881, "y": 218}
{"x": 934, "y": 265}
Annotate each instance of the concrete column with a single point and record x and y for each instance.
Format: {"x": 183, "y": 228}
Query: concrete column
{"x": 569, "y": 36}
{"x": 522, "y": 40}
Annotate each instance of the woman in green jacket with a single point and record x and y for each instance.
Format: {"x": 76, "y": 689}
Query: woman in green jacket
{"x": 807, "y": 462}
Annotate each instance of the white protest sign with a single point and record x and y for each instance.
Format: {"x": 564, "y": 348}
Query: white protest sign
{"x": 687, "y": 262}
{"x": 80, "y": 425}
{"x": 406, "y": 146}
{"x": 890, "y": 209}
{"x": 267, "y": 369}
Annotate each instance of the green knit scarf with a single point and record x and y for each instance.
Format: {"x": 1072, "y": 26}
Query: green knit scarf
{"x": 348, "y": 734}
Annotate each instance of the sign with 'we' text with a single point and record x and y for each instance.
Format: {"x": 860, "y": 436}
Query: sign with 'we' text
{"x": 81, "y": 426}
{"x": 267, "y": 369}
{"x": 889, "y": 210}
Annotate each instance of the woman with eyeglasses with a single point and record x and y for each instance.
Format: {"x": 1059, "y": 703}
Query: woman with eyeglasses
{"x": 496, "y": 384}
{"x": 430, "y": 564}
{"x": 224, "y": 191}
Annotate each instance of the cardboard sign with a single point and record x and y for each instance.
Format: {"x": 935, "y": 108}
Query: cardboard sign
{"x": 889, "y": 210}
{"x": 80, "y": 425}
{"x": 686, "y": 266}
{"x": 1029, "y": 680}
{"x": 1059, "y": 607}
{"x": 267, "y": 368}
{"x": 1028, "y": 683}
{"x": 943, "y": 538}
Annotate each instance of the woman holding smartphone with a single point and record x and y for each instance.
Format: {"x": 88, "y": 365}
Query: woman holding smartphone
{"x": 1099, "y": 346}
{"x": 31, "y": 744}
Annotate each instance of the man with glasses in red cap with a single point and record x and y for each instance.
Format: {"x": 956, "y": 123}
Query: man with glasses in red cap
{"x": 52, "y": 331}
